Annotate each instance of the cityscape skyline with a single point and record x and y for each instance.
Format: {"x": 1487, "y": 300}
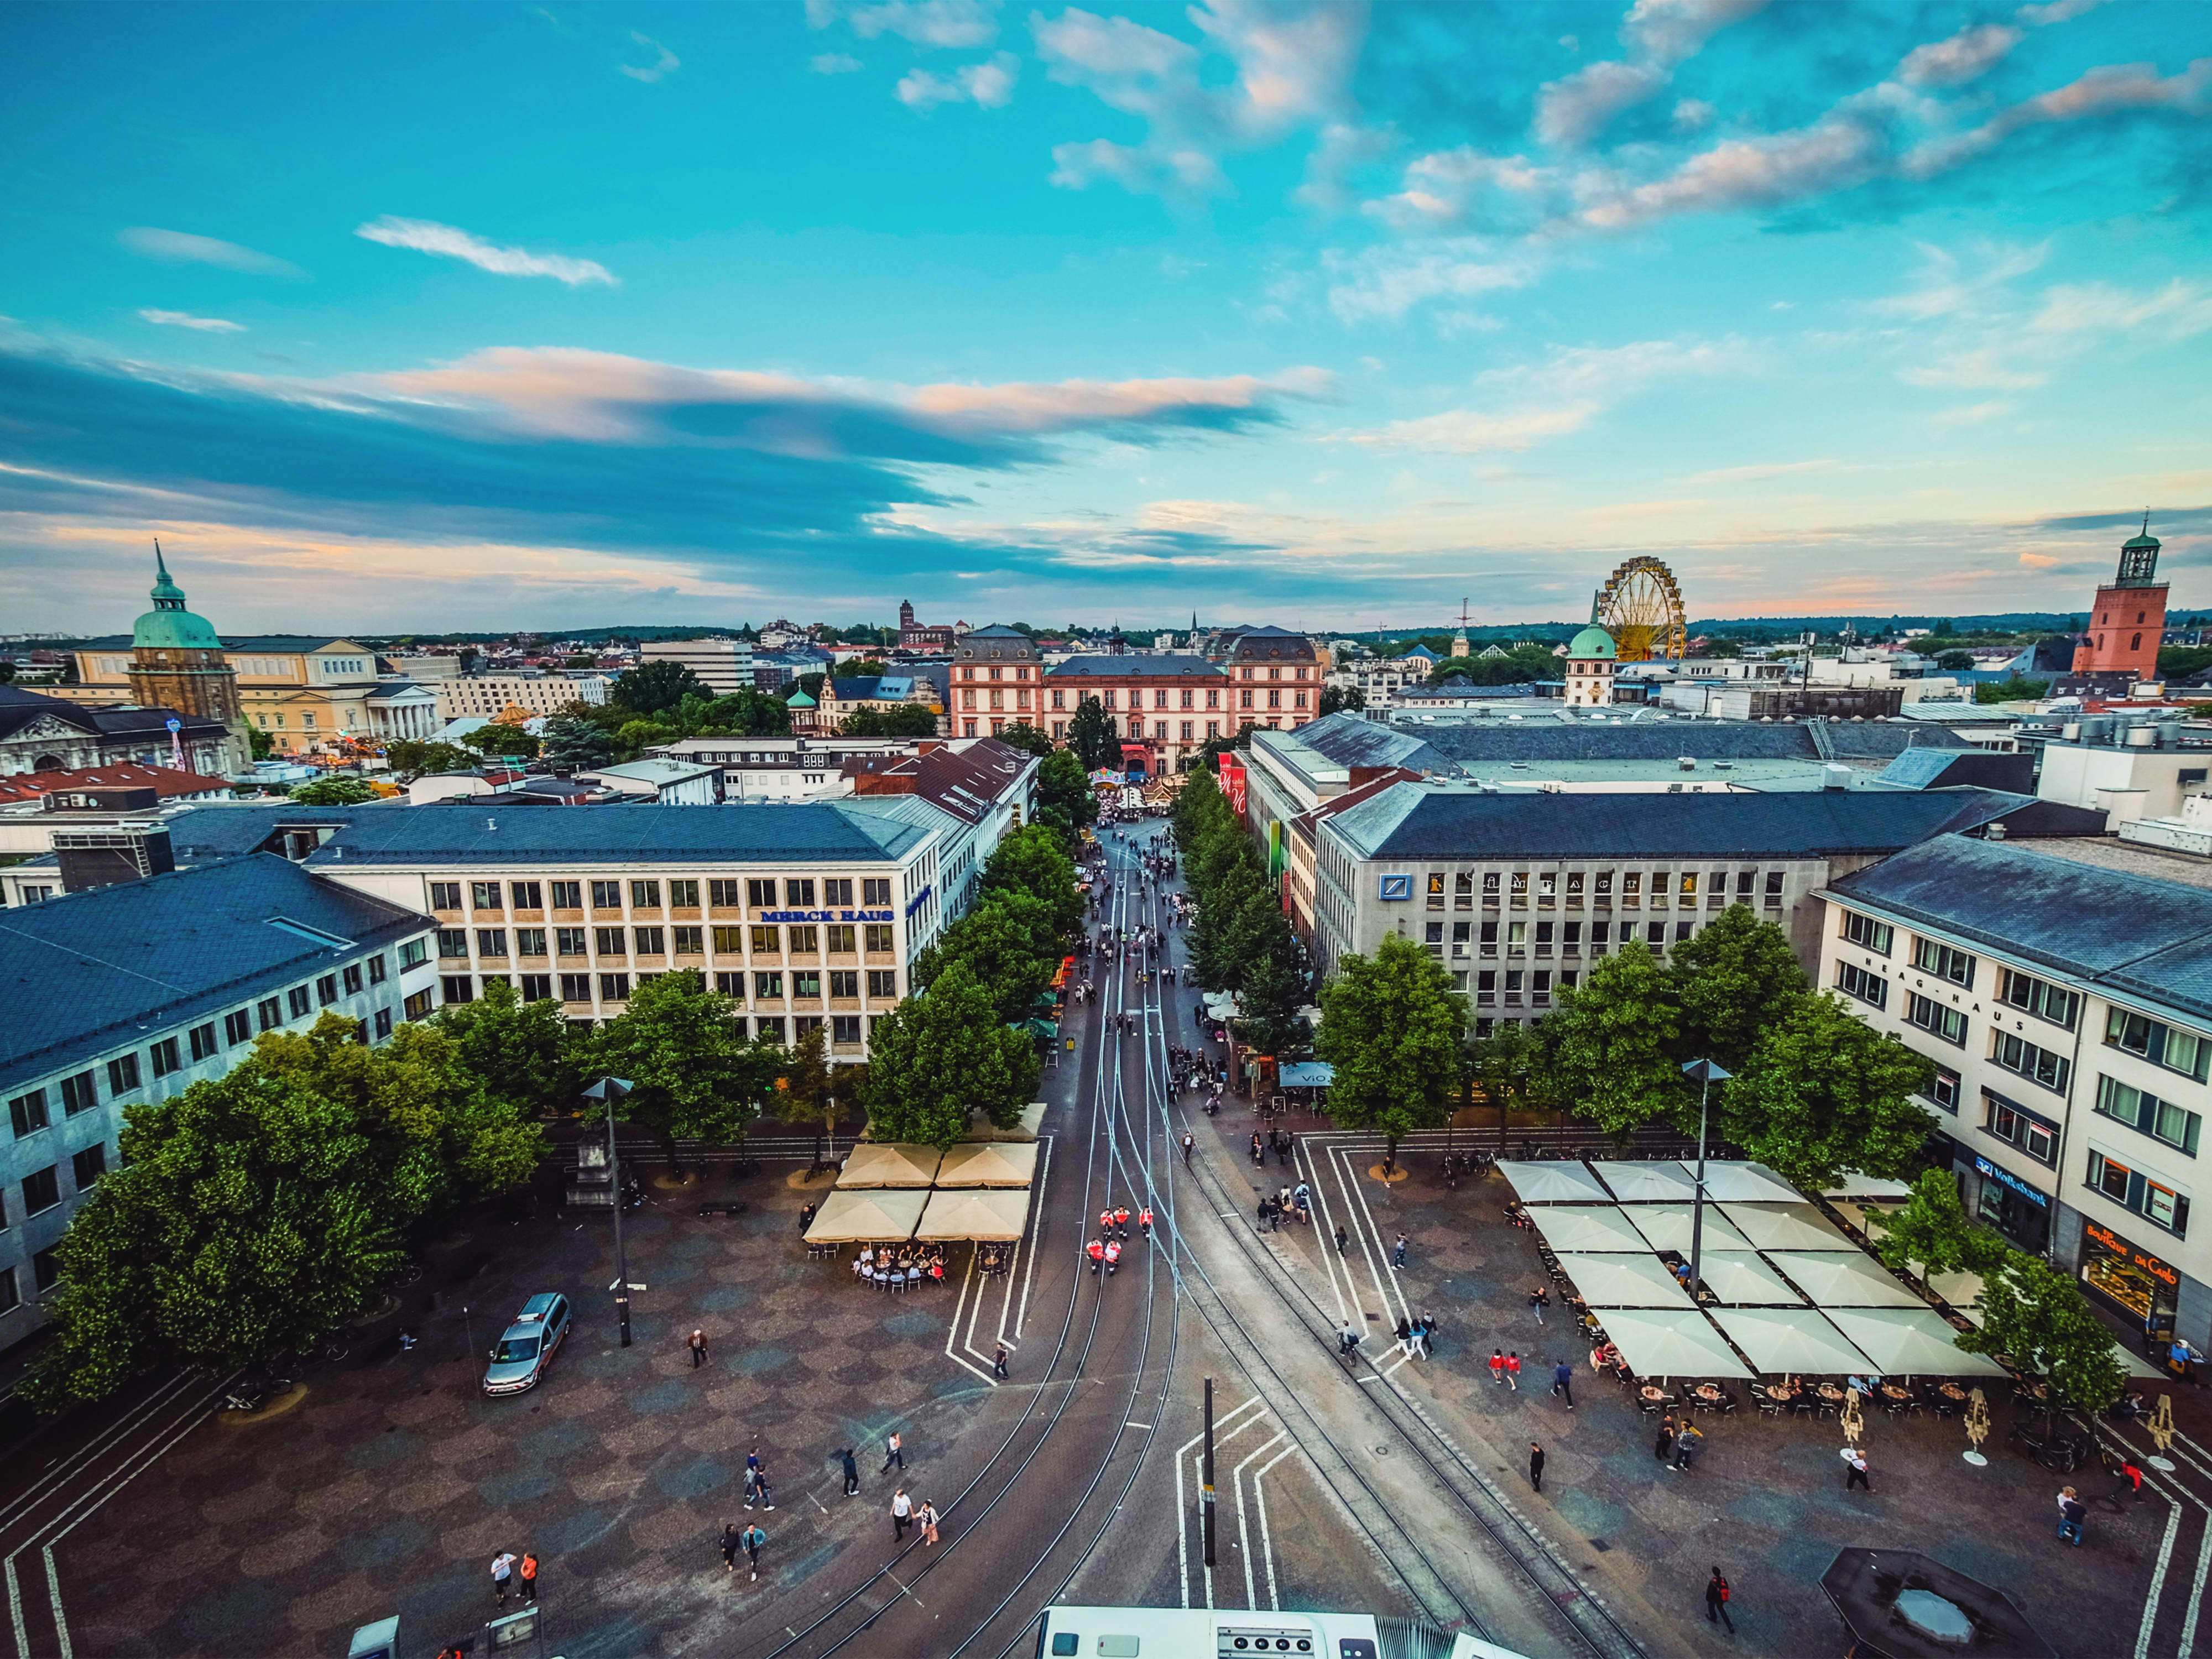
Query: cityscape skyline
{"x": 1317, "y": 315}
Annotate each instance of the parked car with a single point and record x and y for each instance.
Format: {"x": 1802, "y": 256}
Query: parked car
{"x": 527, "y": 1348}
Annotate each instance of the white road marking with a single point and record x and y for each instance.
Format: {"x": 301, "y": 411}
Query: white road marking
{"x": 1266, "y": 1538}
{"x": 1244, "y": 1531}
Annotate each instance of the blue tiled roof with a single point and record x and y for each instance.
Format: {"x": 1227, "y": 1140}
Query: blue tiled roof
{"x": 83, "y": 974}
{"x": 1415, "y": 820}
{"x": 825, "y": 832}
{"x": 2139, "y": 935}
{"x": 1111, "y": 667}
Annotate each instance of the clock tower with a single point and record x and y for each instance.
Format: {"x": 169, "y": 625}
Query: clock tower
{"x": 2130, "y": 620}
{"x": 177, "y": 662}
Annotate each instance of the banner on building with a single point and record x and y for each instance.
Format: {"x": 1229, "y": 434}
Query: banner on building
{"x": 1232, "y": 782}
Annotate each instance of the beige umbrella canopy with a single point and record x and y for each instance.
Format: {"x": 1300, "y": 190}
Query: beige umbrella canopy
{"x": 1670, "y": 1342}
{"x": 1791, "y": 1339}
{"x": 883, "y": 1216}
{"x": 1553, "y": 1181}
{"x": 1735, "y": 1183}
{"x": 1668, "y": 1227}
{"x": 1910, "y": 1342}
{"x": 1739, "y": 1278}
{"x": 871, "y": 1165}
{"x": 988, "y": 1213}
{"x": 1842, "y": 1278}
{"x": 1659, "y": 1181}
{"x": 1032, "y": 1119}
{"x": 1003, "y": 1163}
{"x": 1586, "y": 1227}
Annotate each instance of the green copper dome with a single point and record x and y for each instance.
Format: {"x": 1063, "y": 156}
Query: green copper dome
{"x": 798, "y": 700}
{"x": 1593, "y": 642}
{"x": 168, "y": 626}
{"x": 2144, "y": 540}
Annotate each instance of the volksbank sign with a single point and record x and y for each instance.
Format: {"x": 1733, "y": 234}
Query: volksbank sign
{"x": 826, "y": 915}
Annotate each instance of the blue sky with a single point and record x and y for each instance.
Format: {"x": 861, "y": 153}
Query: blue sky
{"x": 390, "y": 317}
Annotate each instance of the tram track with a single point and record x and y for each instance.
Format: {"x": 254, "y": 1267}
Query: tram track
{"x": 821, "y": 1636}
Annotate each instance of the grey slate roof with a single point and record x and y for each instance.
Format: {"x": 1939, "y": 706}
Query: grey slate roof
{"x": 82, "y": 974}
{"x": 2136, "y": 935}
{"x": 1414, "y": 821}
{"x": 823, "y": 832}
{"x": 1113, "y": 667}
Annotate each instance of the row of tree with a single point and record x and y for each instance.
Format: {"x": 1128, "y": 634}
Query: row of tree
{"x": 1240, "y": 940}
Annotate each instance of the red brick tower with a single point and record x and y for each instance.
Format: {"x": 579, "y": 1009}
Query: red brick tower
{"x": 2130, "y": 619}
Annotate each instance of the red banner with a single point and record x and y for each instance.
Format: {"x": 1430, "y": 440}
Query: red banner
{"x": 1232, "y": 782}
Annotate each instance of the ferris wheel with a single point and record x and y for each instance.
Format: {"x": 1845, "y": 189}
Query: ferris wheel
{"x": 1641, "y": 606}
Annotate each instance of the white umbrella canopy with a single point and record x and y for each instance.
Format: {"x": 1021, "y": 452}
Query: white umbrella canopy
{"x": 1553, "y": 1181}
{"x": 883, "y": 1215}
{"x": 1910, "y": 1342}
{"x": 1792, "y": 1340}
{"x": 1742, "y": 1277}
{"x": 1670, "y": 1342}
{"x": 1569, "y": 1227}
{"x": 1624, "y": 1280}
{"x": 1842, "y": 1278}
{"x": 1787, "y": 1227}
{"x": 1854, "y": 1185}
{"x": 1667, "y": 1227}
{"x": 1744, "y": 1183}
{"x": 1647, "y": 1183}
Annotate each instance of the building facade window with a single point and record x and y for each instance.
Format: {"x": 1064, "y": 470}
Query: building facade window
{"x": 165, "y": 1057}
{"x": 1862, "y": 983}
{"x": 27, "y": 1112}
{"x": 2041, "y": 998}
{"x": 79, "y": 1094}
{"x": 1932, "y": 1016}
{"x": 1945, "y": 962}
{"x": 1944, "y": 1090}
{"x": 2139, "y": 1108}
{"x": 42, "y": 1190}
{"x": 2016, "y": 1054}
{"x": 2015, "y": 1124}
{"x": 2132, "y": 1189}
{"x": 121, "y": 1075}
{"x": 2159, "y": 1044}
{"x": 1863, "y": 930}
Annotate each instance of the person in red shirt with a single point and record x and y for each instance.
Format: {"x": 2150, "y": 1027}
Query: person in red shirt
{"x": 1498, "y": 1368}
{"x": 1096, "y": 1253}
{"x": 1145, "y": 1220}
{"x": 1121, "y": 1222}
{"x": 527, "y": 1574}
{"x": 1513, "y": 1372}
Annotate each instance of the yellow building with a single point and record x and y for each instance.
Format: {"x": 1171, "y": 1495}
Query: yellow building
{"x": 310, "y": 694}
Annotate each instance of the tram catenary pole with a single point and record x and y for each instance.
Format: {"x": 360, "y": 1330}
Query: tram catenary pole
{"x": 607, "y": 1091}
{"x": 1207, "y": 1513}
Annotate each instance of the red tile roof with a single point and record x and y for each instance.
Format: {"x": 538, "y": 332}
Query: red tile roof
{"x": 165, "y": 781}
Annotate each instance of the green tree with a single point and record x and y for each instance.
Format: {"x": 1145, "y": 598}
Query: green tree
{"x": 1030, "y": 739}
{"x": 654, "y": 686}
{"x": 1393, "y": 1028}
{"x": 1612, "y": 1042}
{"x": 1823, "y": 1094}
{"x": 334, "y": 791}
{"x": 412, "y": 760}
{"x": 807, "y": 1085}
{"x": 1088, "y": 735}
{"x": 636, "y": 737}
{"x": 1211, "y": 751}
{"x": 1273, "y": 991}
{"x": 935, "y": 1058}
{"x": 905, "y": 719}
{"x": 573, "y": 743}
{"x": 2179, "y": 661}
{"x": 1955, "y": 661}
{"x": 1033, "y": 859}
{"x": 997, "y": 942}
{"x": 521, "y": 1049}
{"x": 1733, "y": 979}
{"x": 1065, "y": 799}
{"x": 1218, "y": 931}
{"x": 1347, "y": 698}
{"x": 261, "y": 744}
{"x": 1933, "y": 1234}
{"x": 681, "y": 1047}
{"x": 2036, "y": 1316}
{"x": 2018, "y": 689}
{"x": 508, "y": 742}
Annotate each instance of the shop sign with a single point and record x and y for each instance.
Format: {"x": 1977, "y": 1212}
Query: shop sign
{"x": 825, "y": 916}
{"x": 2005, "y": 1178}
{"x": 2118, "y": 1246}
{"x": 914, "y": 903}
{"x": 1397, "y": 887}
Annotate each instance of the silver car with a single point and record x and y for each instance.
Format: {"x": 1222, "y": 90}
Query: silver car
{"x": 527, "y": 1347}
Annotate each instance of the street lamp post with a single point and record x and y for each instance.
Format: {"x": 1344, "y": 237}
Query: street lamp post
{"x": 1706, "y": 1072}
{"x": 607, "y": 1091}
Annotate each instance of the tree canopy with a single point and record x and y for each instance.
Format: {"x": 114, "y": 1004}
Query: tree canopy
{"x": 1034, "y": 859}
{"x": 1094, "y": 743}
{"x": 1823, "y": 1094}
{"x": 1393, "y": 1028}
{"x": 1613, "y": 1045}
{"x": 937, "y": 1059}
{"x": 1030, "y": 739}
{"x": 1733, "y": 979}
{"x": 1065, "y": 800}
{"x": 905, "y": 719}
{"x": 1000, "y": 942}
{"x": 651, "y": 687}
{"x": 334, "y": 791}
{"x": 575, "y": 743}
{"x": 521, "y": 1050}
{"x": 681, "y": 1047}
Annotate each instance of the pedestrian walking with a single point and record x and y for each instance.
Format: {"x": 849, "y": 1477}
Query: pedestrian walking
{"x": 1663, "y": 1448}
{"x": 1498, "y": 1368}
{"x": 1513, "y": 1372}
{"x": 902, "y": 1514}
{"x": 1340, "y": 1240}
{"x": 525, "y": 1573}
{"x": 752, "y": 1481}
{"x": 2072, "y": 1512}
{"x": 1717, "y": 1601}
{"x": 927, "y": 1517}
{"x": 767, "y": 1498}
{"x": 1563, "y": 1383}
{"x": 1858, "y": 1474}
{"x": 1398, "y": 1255}
{"x": 733, "y": 1540}
{"x": 1535, "y": 1466}
{"x": 894, "y": 1452}
{"x": 1258, "y": 1155}
{"x": 852, "y": 1471}
{"x": 1347, "y": 1339}
{"x": 1188, "y": 1141}
{"x": 1537, "y": 1299}
{"x": 1424, "y": 1329}
{"x": 999, "y": 1361}
{"x": 503, "y": 1575}
{"x": 753, "y": 1539}
{"x": 698, "y": 1349}
{"x": 1687, "y": 1444}
{"x": 1405, "y": 1334}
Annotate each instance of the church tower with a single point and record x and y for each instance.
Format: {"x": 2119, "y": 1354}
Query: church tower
{"x": 2130, "y": 620}
{"x": 177, "y": 662}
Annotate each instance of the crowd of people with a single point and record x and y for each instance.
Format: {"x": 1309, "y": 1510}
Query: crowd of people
{"x": 911, "y": 1265}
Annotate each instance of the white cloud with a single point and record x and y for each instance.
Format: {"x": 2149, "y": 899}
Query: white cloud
{"x": 445, "y": 240}
{"x": 1387, "y": 281}
{"x": 989, "y": 84}
{"x": 2101, "y": 91}
{"x": 833, "y": 62}
{"x": 1982, "y": 367}
{"x": 179, "y": 246}
{"x": 1945, "y": 289}
{"x": 1760, "y": 474}
{"x": 1693, "y": 115}
{"x": 1745, "y": 173}
{"x": 2058, "y": 11}
{"x": 1146, "y": 171}
{"x": 1965, "y": 56}
{"x": 1660, "y": 34}
{"x": 2175, "y": 311}
{"x": 186, "y": 320}
{"x": 667, "y": 64}
{"x": 1970, "y": 414}
{"x": 956, "y": 24}
{"x": 1450, "y": 187}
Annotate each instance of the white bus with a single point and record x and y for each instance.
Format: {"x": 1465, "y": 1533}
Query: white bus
{"x": 1066, "y": 1632}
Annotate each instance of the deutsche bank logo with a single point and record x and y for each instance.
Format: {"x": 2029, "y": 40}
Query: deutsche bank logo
{"x": 1397, "y": 887}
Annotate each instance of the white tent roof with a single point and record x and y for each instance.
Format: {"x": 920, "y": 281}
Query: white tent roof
{"x": 1792, "y": 1340}
{"x": 881, "y": 1216}
{"x": 1670, "y": 1342}
{"x": 974, "y": 1212}
{"x": 1553, "y": 1181}
{"x": 1647, "y": 1183}
{"x": 1910, "y": 1342}
{"x": 1567, "y": 1227}
{"x": 1624, "y": 1280}
{"x": 998, "y": 1163}
{"x": 1667, "y": 1227}
{"x": 1854, "y": 1185}
{"x": 1744, "y": 1183}
{"x": 870, "y": 1164}
{"x": 1787, "y": 1227}
{"x": 1739, "y": 1278}
{"x": 1844, "y": 1278}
